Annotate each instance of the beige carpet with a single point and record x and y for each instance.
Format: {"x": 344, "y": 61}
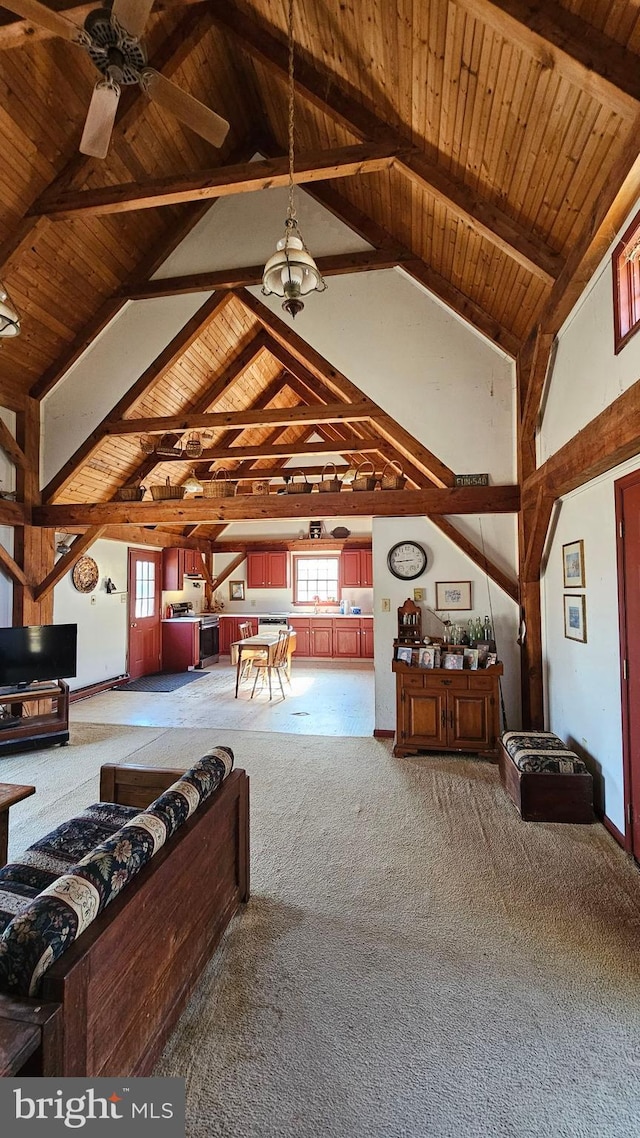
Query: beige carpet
{"x": 414, "y": 960}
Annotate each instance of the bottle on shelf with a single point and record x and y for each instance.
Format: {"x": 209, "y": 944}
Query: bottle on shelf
{"x": 487, "y": 631}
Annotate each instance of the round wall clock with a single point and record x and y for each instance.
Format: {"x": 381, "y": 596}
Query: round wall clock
{"x": 407, "y": 560}
{"x": 85, "y": 574}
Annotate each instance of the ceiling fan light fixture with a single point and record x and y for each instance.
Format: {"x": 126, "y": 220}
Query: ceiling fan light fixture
{"x": 9, "y": 318}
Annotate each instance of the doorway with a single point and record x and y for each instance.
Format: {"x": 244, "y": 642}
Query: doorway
{"x": 628, "y": 535}
{"x": 144, "y": 613}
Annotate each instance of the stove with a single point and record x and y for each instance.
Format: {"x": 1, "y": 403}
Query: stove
{"x": 209, "y": 631}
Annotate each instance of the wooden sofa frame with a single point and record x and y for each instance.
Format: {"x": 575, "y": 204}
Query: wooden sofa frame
{"x": 109, "y": 1003}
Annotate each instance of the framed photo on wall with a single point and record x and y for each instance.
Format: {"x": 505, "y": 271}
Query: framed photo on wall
{"x": 573, "y": 565}
{"x": 236, "y": 590}
{"x": 575, "y": 618}
{"x": 453, "y": 595}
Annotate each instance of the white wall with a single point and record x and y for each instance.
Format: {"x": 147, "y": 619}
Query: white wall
{"x": 101, "y": 617}
{"x": 583, "y": 680}
{"x": 445, "y": 563}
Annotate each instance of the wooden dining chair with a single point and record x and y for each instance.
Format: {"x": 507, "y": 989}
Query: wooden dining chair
{"x": 245, "y": 631}
{"x": 277, "y": 663}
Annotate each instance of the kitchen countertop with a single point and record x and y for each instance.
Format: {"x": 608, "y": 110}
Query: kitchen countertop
{"x": 296, "y": 615}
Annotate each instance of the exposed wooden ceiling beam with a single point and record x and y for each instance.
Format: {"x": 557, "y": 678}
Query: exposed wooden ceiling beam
{"x": 272, "y": 416}
{"x": 10, "y": 447}
{"x": 609, "y": 439}
{"x": 537, "y": 373}
{"x": 169, "y": 356}
{"x": 257, "y": 507}
{"x": 220, "y": 578}
{"x": 140, "y": 535}
{"x": 560, "y": 39}
{"x": 332, "y": 95}
{"x": 76, "y": 549}
{"x": 12, "y": 513}
{"x": 245, "y": 545}
{"x": 133, "y": 103}
{"x": 463, "y": 306}
{"x": 12, "y": 570}
{"x": 334, "y": 266}
{"x": 293, "y": 351}
{"x": 264, "y": 449}
{"x": 249, "y": 177}
{"x": 509, "y": 585}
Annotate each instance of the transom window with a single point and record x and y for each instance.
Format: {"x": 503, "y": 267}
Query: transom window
{"x": 145, "y": 588}
{"x": 626, "y": 285}
{"x": 315, "y": 579}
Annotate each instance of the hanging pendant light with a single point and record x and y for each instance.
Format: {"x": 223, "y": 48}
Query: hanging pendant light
{"x": 9, "y": 318}
{"x": 291, "y": 272}
{"x": 191, "y": 484}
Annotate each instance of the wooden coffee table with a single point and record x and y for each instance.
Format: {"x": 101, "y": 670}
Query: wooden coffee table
{"x": 10, "y": 793}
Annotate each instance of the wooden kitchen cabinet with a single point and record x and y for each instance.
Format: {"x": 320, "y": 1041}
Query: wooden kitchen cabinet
{"x": 438, "y": 709}
{"x": 347, "y": 637}
{"x": 302, "y": 628}
{"x": 268, "y": 570}
{"x": 356, "y": 568}
{"x": 180, "y": 645}
{"x": 230, "y": 631}
{"x": 175, "y": 563}
{"x": 366, "y": 639}
{"x": 322, "y": 637}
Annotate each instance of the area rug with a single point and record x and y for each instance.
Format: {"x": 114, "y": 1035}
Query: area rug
{"x": 165, "y": 681}
{"x": 414, "y": 961}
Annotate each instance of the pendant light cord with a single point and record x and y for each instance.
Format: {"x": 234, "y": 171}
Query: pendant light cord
{"x": 484, "y": 554}
{"x": 291, "y": 209}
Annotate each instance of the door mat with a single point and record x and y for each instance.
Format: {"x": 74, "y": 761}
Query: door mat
{"x": 166, "y": 681}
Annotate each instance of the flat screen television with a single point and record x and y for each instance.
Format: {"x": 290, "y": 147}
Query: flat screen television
{"x": 37, "y": 652}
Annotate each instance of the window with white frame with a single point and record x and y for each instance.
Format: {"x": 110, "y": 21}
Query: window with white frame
{"x": 145, "y": 588}
{"x": 315, "y": 579}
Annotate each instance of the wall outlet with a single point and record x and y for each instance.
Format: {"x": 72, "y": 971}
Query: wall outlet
{"x": 253, "y": 604}
{"x": 386, "y": 604}
{"x": 123, "y": 598}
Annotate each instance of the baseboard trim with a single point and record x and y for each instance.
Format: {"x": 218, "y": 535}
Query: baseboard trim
{"x": 380, "y": 734}
{"x": 613, "y": 830}
{"x": 95, "y": 689}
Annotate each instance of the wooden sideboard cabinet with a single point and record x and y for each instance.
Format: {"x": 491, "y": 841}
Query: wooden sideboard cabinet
{"x": 442, "y": 710}
{"x": 40, "y": 717}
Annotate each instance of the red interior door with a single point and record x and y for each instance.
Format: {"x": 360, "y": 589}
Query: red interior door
{"x": 144, "y": 612}
{"x": 628, "y": 520}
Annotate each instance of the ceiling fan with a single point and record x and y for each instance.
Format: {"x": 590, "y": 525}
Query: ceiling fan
{"x": 111, "y": 36}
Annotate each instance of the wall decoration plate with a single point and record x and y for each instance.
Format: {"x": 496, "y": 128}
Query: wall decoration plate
{"x": 85, "y": 574}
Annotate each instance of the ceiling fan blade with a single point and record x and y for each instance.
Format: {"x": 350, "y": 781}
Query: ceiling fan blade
{"x": 132, "y": 15}
{"x": 100, "y": 119}
{"x": 190, "y": 111}
{"x": 37, "y": 13}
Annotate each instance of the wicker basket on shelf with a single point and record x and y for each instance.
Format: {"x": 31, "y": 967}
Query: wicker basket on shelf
{"x": 394, "y": 480}
{"x": 303, "y": 487}
{"x": 130, "y": 493}
{"x": 329, "y": 484}
{"x": 193, "y": 445}
{"x": 365, "y": 477}
{"x": 220, "y": 486}
{"x": 164, "y": 491}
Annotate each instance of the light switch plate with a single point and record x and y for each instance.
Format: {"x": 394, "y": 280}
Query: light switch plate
{"x": 386, "y": 604}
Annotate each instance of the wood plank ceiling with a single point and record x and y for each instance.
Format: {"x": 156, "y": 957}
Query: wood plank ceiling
{"x": 489, "y": 131}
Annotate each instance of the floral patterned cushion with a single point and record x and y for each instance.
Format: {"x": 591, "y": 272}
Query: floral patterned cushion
{"x": 39, "y": 932}
{"x": 541, "y": 751}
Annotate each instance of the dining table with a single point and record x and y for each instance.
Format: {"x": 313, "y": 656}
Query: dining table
{"x": 266, "y": 641}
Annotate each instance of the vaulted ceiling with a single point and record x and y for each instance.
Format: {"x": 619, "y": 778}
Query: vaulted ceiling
{"x": 488, "y": 146}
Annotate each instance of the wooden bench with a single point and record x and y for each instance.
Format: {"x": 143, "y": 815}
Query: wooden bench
{"x": 544, "y": 779}
{"x": 108, "y": 1004}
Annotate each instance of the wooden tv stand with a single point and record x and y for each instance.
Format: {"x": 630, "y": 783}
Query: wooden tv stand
{"x": 42, "y": 714}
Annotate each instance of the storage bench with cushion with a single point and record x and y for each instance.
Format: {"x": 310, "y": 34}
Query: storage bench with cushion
{"x": 544, "y": 779}
{"x": 107, "y": 921}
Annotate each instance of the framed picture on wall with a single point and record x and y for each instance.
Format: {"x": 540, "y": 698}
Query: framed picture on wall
{"x": 236, "y": 590}
{"x": 575, "y": 618}
{"x": 453, "y": 595}
{"x": 573, "y": 565}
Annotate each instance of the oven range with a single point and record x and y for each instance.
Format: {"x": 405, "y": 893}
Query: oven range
{"x": 209, "y": 631}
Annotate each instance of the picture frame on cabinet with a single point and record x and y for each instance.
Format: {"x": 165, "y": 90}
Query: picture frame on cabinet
{"x": 573, "y": 565}
{"x": 453, "y": 596}
{"x": 575, "y": 617}
{"x": 236, "y": 591}
{"x": 404, "y": 655}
